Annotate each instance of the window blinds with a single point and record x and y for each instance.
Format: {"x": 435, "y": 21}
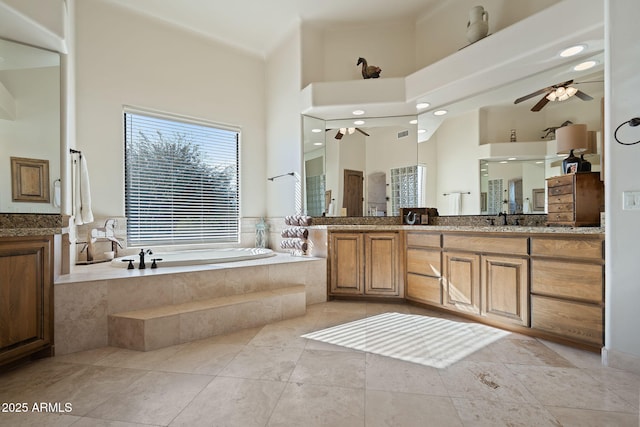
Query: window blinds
{"x": 181, "y": 181}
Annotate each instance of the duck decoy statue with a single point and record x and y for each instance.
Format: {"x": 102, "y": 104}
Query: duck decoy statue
{"x": 369, "y": 71}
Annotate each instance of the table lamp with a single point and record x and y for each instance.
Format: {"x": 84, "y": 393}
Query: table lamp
{"x": 569, "y": 139}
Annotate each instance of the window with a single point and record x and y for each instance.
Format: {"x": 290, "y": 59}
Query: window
{"x": 181, "y": 181}
{"x": 407, "y": 187}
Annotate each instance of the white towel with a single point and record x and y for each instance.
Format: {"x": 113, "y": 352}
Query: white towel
{"x": 82, "y": 193}
{"x": 56, "y": 193}
{"x": 526, "y": 207}
{"x": 455, "y": 203}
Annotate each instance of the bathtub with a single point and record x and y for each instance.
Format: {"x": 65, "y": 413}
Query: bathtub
{"x": 195, "y": 257}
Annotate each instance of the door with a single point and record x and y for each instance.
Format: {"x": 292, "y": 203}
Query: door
{"x": 347, "y": 262}
{"x": 353, "y": 192}
{"x": 515, "y": 196}
{"x": 382, "y": 275}
{"x": 462, "y": 281}
{"x": 504, "y": 289}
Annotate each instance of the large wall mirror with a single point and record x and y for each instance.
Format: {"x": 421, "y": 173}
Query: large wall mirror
{"x": 365, "y": 167}
{"x": 29, "y": 126}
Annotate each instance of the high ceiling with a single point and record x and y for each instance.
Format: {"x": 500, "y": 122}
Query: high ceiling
{"x": 258, "y": 25}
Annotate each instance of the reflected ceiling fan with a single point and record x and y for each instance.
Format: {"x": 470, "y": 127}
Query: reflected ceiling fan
{"x": 343, "y": 131}
{"x": 557, "y": 92}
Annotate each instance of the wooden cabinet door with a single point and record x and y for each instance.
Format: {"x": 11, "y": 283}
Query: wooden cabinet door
{"x": 347, "y": 275}
{"x": 382, "y": 275}
{"x": 462, "y": 281}
{"x": 25, "y": 297}
{"x": 504, "y": 289}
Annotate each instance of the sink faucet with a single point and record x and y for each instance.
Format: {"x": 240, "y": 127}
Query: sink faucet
{"x": 504, "y": 215}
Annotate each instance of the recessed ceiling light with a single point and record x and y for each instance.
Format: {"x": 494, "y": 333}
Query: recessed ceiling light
{"x": 422, "y": 105}
{"x": 483, "y": 170}
{"x": 585, "y": 65}
{"x": 413, "y": 122}
{"x": 504, "y": 161}
{"x": 358, "y": 122}
{"x": 358, "y": 112}
{"x": 539, "y": 162}
{"x": 422, "y": 130}
{"x": 573, "y": 50}
{"x": 511, "y": 158}
{"x": 440, "y": 112}
{"x": 316, "y": 130}
{"x": 317, "y": 143}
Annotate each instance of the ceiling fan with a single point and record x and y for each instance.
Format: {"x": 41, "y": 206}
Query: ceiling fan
{"x": 343, "y": 131}
{"x": 557, "y": 92}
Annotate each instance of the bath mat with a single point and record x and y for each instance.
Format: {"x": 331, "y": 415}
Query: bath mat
{"x": 429, "y": 341}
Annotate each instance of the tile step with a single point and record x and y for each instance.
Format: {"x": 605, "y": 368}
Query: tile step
{"x": 158, "y": 327}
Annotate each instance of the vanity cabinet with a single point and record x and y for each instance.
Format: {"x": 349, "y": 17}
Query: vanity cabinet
{"x": 487, "y": 276}
{"x": 567, "y": 287}
{"x": 26, "y": 297}
{"x": 575, "y": 200}
{"x": 424, "y": 267}
{"x": 365, "y": 263}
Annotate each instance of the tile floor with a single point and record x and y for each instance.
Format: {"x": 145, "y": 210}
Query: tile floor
{"x": 270, "y": 376}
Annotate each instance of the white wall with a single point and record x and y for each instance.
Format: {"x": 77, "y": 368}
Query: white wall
{"x": 35, "y": 132}
{"x": 451, "y": 19}
{"x": 284, "y": 128}
{"x": 389, "y": 45}
{"x": 458, "y": 149}
{"x": 127, "y": 59}
{"x": 41, "y": 23}
{"x": 622, "y": 85}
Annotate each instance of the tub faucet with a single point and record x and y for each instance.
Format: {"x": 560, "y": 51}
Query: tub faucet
{"x": 504, "y": 215}
{"x": 141, "y": 265}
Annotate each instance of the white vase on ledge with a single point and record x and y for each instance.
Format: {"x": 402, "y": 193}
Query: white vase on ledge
{"x": 478, "y": 25}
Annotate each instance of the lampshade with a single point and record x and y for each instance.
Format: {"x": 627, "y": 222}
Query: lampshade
{"x": 571, "y": 137}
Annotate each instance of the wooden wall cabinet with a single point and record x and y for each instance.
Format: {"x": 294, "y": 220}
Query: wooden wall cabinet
{"x": 365, "y": 263}
{"x": 26, "y": 297}
{"x": 575, "y": 200}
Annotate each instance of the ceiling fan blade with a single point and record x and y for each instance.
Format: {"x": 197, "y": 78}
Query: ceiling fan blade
{"x": 540, "y": 104}
{"x": 583, "y": 96}
{"x": 531, "y": 95}
{"x": 362, "y": 132}
{"x": 339, "y": 135}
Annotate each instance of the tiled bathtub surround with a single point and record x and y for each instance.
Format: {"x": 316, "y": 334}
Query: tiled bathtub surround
{"x": 85, "y": 299}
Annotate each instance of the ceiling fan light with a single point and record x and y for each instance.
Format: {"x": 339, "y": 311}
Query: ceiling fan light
{"x": 560, "y": 91}
{"x": 351, "y": 130}
{"x": 552, "y": 96}
{"x": 571, "y": 91}
{"x": 343, "y": 131}
{"x": 564, "y": 97}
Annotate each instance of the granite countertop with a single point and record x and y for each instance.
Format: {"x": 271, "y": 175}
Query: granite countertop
{"x": 463, "y": 228}
{"x": 25, "y": 232}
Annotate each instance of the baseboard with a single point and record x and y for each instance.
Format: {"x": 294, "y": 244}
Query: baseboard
{"x": 619, "y": 360}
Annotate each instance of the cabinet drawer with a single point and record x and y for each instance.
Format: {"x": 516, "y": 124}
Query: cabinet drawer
{"x": 424, "y": 261}
{"x": 560, "y": 217}
{"x": 561, "y": 189}
{"x": 423, "y": 288}
{"x": 504, "y": 245}
{"x": 560, "y": 208}
{"x": 423, "y": 239}
{"x": 567, "y": 247}
{"x": 573, "y": 320}
{"x": 567, "y": 280}
{"x": 560, "y": 180}
{"x": 561, "y": 198}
